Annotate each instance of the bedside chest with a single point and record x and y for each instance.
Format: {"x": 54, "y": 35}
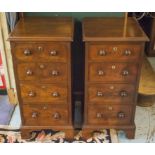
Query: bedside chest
{"x": 113, "y": 58}
{"x": 41, "y": 49}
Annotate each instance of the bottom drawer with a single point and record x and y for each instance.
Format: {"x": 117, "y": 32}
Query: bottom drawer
{"x": 109, "y": 114}
{"x": 45, "y": 115}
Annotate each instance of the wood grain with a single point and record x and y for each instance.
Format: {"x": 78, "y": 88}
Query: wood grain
{"x": 43, "y": 29}
{"x": 112, "y": 29}
{"x": 113, "y": 59}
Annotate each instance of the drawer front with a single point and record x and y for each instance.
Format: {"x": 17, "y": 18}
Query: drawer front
{"x": 109, "y": 114}
{"x": 118, "y": 72}
{"x": 113, "y": 93}
{"x": 33, "y": 92}
{"x": 105, "y": 52}
{"x": 45, "y": 115}
{"x": 47, "y": 72}
{"x": 47, "y": 52}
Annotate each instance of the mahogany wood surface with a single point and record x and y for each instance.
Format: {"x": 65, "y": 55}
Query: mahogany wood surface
{"x": 43, "y": 29}
{"x": 113, "y": 58}
{"x": 41, "y": 49}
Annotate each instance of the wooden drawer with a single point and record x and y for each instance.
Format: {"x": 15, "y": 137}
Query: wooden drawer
{"x": 46, "y": 72}
{"x": 35, "y": 92}
{"x": 45, "y": 115}
{"x": 113, "y": 72}
{"x": 113, "y": 93}
{"x": 112, "y": 52}
{"x": 109, "y": 114}
{"x": 37, "y": 52}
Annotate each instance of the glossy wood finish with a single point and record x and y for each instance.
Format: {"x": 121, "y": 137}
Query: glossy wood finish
{"x": 109, "y": 114}
{"x": 113, "y": 56}
{"x": 111, "y": 93}
{"x": 45, "y": 72}
{"x": 43, "y": 29}
{"x": 114, "y": 51}
{"x": 112, "y": 29}
{"x": 118, "y": 72}
{"x": 41, "y": 49}
{"x": 45, "y": 115}
{"x": 37, "y": 92}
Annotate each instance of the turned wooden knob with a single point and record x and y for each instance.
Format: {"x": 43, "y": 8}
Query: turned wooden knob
{"x": 53, "y": 53}
{"x": 121, "y": 115}
{"x": 100, "y": 72}
{"x": 102, "y": 53}
{"x": 27, "y": 52}
{"x": 55, "y": 94}
{"x": 54, "y": 73}
{"x": 32, "y": 94}
{"x": 56, "y": 115}
{"x": 29, "y": 72}
{"x": 34, "y": 115}
{"x": 125, "y": 72}
{"x": 123, "y": 93}
{"x": 127, "y": 52}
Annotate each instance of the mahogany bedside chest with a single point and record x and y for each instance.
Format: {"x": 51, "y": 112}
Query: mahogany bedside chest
{"x": 113, "y": 57}
{"x": 41, "y": 49}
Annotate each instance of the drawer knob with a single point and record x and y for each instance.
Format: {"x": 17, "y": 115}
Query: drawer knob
{"x": 54, "y": 73}
{"x": 42, "y": 66}
{"x": 29, "y": 72}
{"x": 53, "y": 53}
{"x": 56, "y": 116}
{"x": 102, "y": 53}
{"x": 127, "y": 52}
{"x": 121, "y": 115}
{"x": 125, "y": 72}
{"x": 27, "y": 52}
{"x": 100, "y": 72}
{"x": 99, "y": 94}
{"x": 113, "y": 67}
{"x": 55, "y": 94}
{"x": 123, "y": 93}
{"x": 32, "y": 94}
{"x": 34, "y": 115}
{"x": 99, "y": 115}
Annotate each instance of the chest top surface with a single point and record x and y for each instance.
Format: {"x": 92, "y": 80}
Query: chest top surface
{"x": 43, "y": 29}
{"x": 112, "y": 29}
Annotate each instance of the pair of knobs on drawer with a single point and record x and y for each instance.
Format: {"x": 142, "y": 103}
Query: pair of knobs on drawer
{"x": 124, "y": 72}
{"x": 29, "y": 72}
{"x": 55, "y": 115}
{"x": 120, "y": 115}
{"x": 28, "y": 52}
{"x": 123, "y": 93}
{"x": 104, "y": 53}
{"x": 33, "y": 94}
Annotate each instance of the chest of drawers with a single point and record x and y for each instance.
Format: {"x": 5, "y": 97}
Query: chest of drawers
{"x": 113, "y": 57}
{"x": 41, "y": 49}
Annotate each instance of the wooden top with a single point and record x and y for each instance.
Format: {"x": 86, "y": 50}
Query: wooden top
{"x": 112, "y": 29}
{"x": 43, "y": 29}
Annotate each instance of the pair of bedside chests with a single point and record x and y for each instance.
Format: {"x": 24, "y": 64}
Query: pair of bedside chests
{"x": 41, "y": 50}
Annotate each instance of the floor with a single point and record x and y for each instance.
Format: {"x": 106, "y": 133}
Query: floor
{"x": 144, "y": 120}
{"x": 6, "y": 110}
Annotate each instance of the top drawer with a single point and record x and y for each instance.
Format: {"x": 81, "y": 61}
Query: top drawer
{"x": 46, "y": 52}
{"x": 108, "y": 52}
